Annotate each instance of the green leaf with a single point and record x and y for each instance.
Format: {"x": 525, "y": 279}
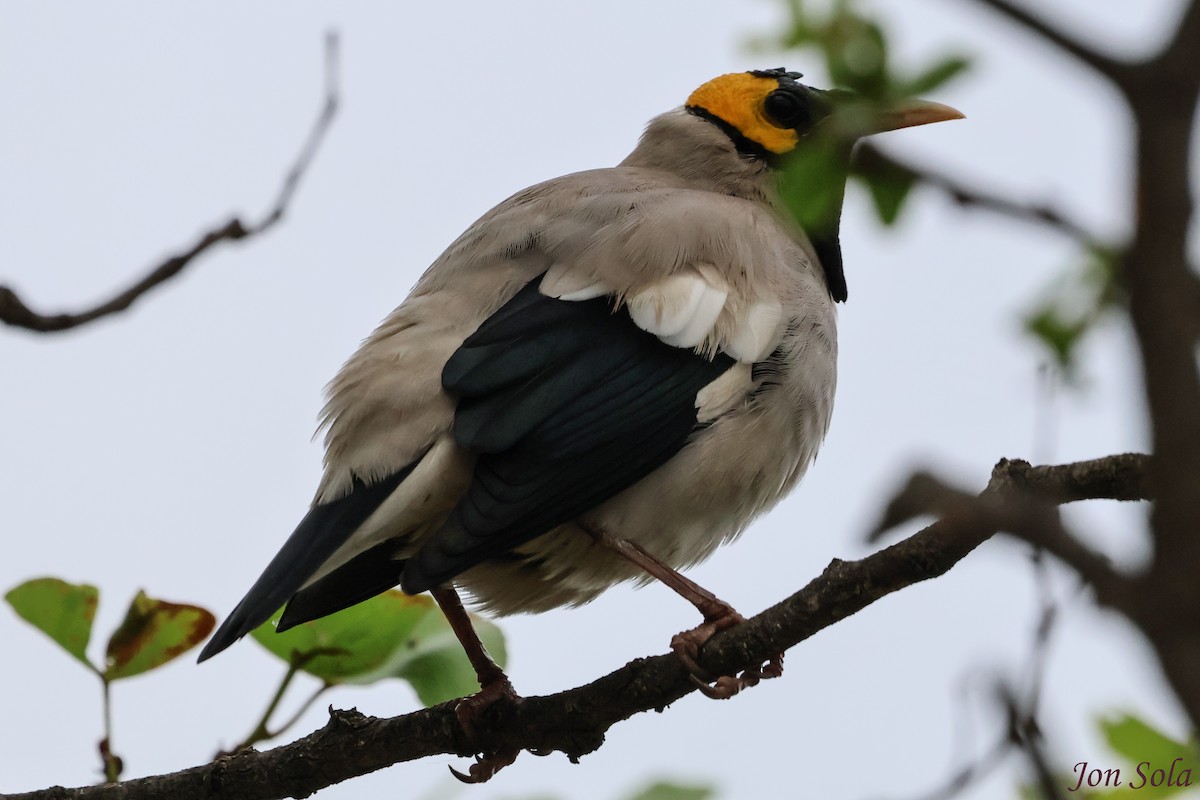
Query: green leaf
{"x": 889, "y": 189}
{"x": 391, "y": 635}
{"x": 888, "y": 181}
{"x": 1101, "y": 275}
{"x": 802, "y": 28}
{"x": 937, "y": 75}
{"x": 153, "y": 633}
{"x": 63, "y": 611}
{"x": 1138, "y": 741}
{"x": 1026, "y": 791}
{"x": 662, "y": 790}
{"x": 856, "y": 55}
{"x": 812, "y": 186}
{"x": 1149, "y": 756}
{"x": 437, "y": 667}
{"x": 1076, "y": 302}
{"x": 354, "y": 642}
{"x": 1059, "y": 334}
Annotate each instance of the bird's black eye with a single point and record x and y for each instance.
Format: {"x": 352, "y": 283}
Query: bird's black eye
{"x": 787, "y": 109}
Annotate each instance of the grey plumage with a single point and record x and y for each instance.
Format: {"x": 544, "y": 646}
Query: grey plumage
{"x": 684, "y": 244}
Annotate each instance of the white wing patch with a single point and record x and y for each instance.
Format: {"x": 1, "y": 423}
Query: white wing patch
{"x": 566, "y": 284}
{"x": 698, "y": 326}
{"x": 693, "y": 310}
{"x": 674, "y": 306}
{"x": 586, "y": 293}
{"x": 756, "y": 333}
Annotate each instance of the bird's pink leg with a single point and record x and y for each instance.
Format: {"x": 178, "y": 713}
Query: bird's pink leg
{"x": 494, "y": 685}
{"x": 718, "y": 615}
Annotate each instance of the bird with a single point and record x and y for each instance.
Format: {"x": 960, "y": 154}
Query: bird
{"x": 606, "y": 377}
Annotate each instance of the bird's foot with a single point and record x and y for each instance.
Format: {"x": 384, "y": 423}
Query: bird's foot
{"x": 486, "y": 766}
{"x": 687, "y": 647}
{"x": 487, "y": 761}
{"x": 728, "y": 686}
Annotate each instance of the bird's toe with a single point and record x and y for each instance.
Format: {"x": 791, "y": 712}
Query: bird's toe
{"x": 687, "y": 644}
{"x": 489, "y": 759}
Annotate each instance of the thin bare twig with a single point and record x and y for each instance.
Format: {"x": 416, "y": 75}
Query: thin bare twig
{"x": 869, "y": 159}
{"x": 315, "y": 136}
{"x": 1105, "y": 65}
{"x": 1025, "y": 734}
{"x": 972, "y": 773}
{"x": 576, "y": 721}
{"x": 1020, "y": 705}
{"x": 14, "y": 311}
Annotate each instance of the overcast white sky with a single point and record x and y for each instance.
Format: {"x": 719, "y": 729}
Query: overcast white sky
{"x": 168, "y": 449}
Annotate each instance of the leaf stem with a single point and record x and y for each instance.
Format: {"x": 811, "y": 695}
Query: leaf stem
{"x": 261, "y": 732}
{"x": 305, "y": 706}
{"x": 111, "y": 761}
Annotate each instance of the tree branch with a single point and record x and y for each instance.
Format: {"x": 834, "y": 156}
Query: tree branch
{"x": 869, "y": 159}
{"x": 1181, "y": 51}
{"x": 1023, "y": 501}
{"x": 1161, "y": 278}
{"x": 14, "y": 311}
{"x": 1112, "y": 69}
{"x": 575, "y": 722}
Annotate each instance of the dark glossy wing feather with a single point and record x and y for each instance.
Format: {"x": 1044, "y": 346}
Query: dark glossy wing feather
{"x": 325, "y": 528}
{"x": 567, "y": 404}
{"x": 369, "y": 573}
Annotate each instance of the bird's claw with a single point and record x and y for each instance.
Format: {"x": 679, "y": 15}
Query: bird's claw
{"x": 688, "y": 643}
{"x": 687, "y": 647}
{"x": 467, "y": 710}
{"x": 486, "y": 766}
{"x": 727, "y": 686}
{"x": 722, "y": 688}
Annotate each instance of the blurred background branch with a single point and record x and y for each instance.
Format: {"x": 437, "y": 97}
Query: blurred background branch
{"x": 15, "y": 312}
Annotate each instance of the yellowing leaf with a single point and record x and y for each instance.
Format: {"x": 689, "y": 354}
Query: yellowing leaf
{"x": 153, "y": 633}
{"x": 63, "y": 611}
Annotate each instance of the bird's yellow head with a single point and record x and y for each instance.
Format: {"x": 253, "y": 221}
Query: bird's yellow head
{"x": 767, "y": 112}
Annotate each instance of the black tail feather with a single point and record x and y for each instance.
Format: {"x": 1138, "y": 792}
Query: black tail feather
{"x": 361, "y": 578}
{"x": 322, "y": 531}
